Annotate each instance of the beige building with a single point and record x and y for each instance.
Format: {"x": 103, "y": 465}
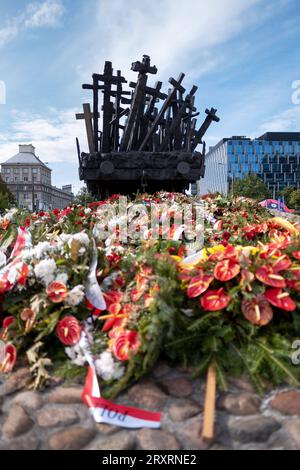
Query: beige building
{"x": 29, "y": 179}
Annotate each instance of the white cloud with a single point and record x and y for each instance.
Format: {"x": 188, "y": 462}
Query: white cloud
{"x": 37, "y": 15}
{"x": 288, "y": 120}
{"x": 46, "y": 14}
{"x": 174, "y": 34}
{"x": 53, "y": 134}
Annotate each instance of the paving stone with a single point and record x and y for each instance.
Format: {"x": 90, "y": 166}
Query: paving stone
{"x": 29, "y": 400}
{"x": 287, "y": 402}
{"x": 161, "y": 370}
{"x": 182, "y": 409}
{"x": 178, "y": 387}
{"x": 57, "y": 416}
{"x": 17, "y": 380}
{"x": 65, "y": 395}
{"x": 107, "y": 429}
{"x": 156, "y": 439}
{"x": 241, "y": 382}
{"x": 71, "y": 438}
{"x": 122, "y": 441}
{"x": 27, "y": 442}
{"x": 148, "y": 396}
{"x": 240, "y": 404}
{"x": 255, "y": 429}
{"x": 190, "y": 434}
{"x": 293, "y": 428}
{"x": 17, "y": 422}
{"x": 281, "y": 440}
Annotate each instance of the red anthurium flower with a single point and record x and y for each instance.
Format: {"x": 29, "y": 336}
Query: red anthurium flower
{"x": 257, "y": 310}
{"x": 57, "y": 291}
{"x": 246, "y": 278}
{"x": 8, "y": 361}
{"x": 266, "y": 275}
{"x": 296, "y": 254}
{"x": 28, "y": 316}
{"x": 68, "y": 330}
{"x": 199, "y": 284}
{"x": 280, "y": 299}
{"x": 215, "y": 299}
{"x": 5, "y": 325}
{"x": 226, "y": 270}
{"x": 125, "y": 344}
{"x": 294, "y": 271}
{"x": 282, "y": 263}
{"x": 293, "y": 284}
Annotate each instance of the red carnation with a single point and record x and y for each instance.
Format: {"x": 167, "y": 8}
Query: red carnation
{"x": 215, "y": 299}
{"x": 68, "y": 330}
{"x": 280, "y": 299}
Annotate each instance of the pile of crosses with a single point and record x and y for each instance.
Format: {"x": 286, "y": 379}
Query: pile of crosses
{"x": 146, "y": 140}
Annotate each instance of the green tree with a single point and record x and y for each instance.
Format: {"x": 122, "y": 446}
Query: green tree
{"x": 83, "y": 197}
{"x": 251, "y": 186}
{"x": 6, "y": 197}
{"x": 295, "y": 199}
{"x": 287, "y": 192}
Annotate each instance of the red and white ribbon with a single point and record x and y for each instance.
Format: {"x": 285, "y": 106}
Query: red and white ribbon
{"x": 23, "y": 241}
{"x": 104, "y": 411}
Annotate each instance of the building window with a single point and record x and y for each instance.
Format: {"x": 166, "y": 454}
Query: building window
{"x": 25, "y": 178}
{"x": 16, "y": 179}
{"x": 7, "y": 170}
{"x": 34, "y": 170}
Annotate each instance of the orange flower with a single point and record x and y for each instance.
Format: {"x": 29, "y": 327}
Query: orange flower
{"x": 266, "y": 275}
{"x": 57, "y": 291}
{"x": 125, "y": 344}
{"x": 280, "y": 299}
{"x": 5, "y": 326}
{"x": 199, "y": 284}
{"x": 215, "y": 299}
{"x": 226, "y": 270}
{"x": 257, "y": 310}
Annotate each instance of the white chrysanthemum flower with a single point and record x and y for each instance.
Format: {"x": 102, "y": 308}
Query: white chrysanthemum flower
{"x": 41, "y": 249}
{"x": 107, "y": 368}
{"x": 45, "y": 270}
{"x": 82, "y": 237}
{"x": 75, "y": 296}
{"x": 76, "y": 355}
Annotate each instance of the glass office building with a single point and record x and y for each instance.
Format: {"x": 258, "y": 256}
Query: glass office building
{"x": 275, "y": 157}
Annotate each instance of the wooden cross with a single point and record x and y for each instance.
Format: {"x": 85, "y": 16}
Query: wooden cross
{"x": 138, "y": 103}
{"x": 87, "y": 115}
{"x": 109, "y": 80}
{"x": 176, "y": 86}
{"x": 175, "y": 125}
{"x": 211, "y": 116}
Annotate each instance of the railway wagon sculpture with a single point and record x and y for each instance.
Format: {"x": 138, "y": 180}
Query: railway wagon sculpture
{"x": 141, "y": 139}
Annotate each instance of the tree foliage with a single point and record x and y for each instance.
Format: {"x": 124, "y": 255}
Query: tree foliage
{"x": 251, "y": 186}
{"x": 6, "y": 197}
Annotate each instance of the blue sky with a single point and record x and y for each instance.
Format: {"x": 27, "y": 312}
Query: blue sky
{"x": 244, "y": 56}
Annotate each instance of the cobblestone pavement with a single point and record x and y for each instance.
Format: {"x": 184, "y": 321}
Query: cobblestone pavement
{"x": 57, "y": 418}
